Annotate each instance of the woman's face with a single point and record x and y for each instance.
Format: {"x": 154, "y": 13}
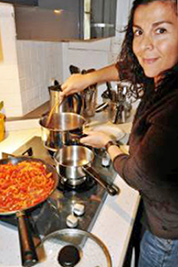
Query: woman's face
{"x": 155, "y": 42}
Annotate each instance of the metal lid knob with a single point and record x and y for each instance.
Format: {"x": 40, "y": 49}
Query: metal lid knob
{"x": 68, "y": 256}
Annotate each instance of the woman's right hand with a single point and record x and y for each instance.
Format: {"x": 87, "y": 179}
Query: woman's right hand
{"x": 75, "y": 83}
{"x": 78, "y": 82}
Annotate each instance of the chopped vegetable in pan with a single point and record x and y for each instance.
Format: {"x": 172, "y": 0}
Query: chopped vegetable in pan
{"x": 23, "y": 185}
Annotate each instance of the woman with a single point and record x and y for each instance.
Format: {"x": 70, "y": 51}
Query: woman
{"x": 149, "y": 57}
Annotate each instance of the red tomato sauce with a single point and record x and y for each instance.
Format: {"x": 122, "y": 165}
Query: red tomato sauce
{"x": 23, "y": 185}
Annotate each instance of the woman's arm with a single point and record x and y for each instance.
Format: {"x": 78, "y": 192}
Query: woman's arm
{"x": 78, "y": 82}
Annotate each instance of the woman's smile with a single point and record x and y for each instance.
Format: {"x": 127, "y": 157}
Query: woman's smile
{"x": 149, "y": 61}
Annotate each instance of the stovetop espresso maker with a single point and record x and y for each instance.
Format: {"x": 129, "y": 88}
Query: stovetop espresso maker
{"x": 72, "y": 103}
{"x": 83, "y": 103}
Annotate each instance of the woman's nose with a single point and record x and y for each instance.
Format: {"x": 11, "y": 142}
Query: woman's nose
{"x": 147, "y": 43}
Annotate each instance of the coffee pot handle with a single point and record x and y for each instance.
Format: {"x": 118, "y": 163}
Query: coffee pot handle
{"x": 79, "y": 102}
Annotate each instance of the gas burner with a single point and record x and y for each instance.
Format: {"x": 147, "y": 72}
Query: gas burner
{"x": 86, "y": 185}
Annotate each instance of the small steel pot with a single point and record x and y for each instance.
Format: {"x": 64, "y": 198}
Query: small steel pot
{"x": 74, "y": 162}
{"x": 71, "y": 160}
{"x": 63, "y": 129}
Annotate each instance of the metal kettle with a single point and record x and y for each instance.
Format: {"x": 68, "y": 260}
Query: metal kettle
{"x": 72, "y": 103}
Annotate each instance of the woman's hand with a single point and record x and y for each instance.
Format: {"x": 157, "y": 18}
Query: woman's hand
{"x": 96, "y": 139}
{"x": 75, "y": 83}
{"x": 99, "y": 140}
{"x": 78, "y": 82}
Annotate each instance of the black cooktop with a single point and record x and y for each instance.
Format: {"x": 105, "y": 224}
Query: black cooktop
{"x": 51, "y": 215}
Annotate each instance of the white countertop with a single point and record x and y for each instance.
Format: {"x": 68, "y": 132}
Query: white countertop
{"x": 114, "y": 222}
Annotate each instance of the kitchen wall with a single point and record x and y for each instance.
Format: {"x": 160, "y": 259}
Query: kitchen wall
{"x": 38, "y": 64}
{"x": 28, "y": 67}
{"x": 9, "y": 82}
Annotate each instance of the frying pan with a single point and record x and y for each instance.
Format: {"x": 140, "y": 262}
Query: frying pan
{"x": 28, "y": 253}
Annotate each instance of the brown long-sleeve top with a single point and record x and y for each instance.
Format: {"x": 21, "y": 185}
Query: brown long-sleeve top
{"x": 152, "y": 164}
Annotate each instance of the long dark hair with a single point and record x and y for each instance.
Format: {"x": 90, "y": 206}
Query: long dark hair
{"x": 128, "y": 65}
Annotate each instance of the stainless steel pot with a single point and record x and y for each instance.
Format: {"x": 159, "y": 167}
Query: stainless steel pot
{"x": 71, "y": 160}
{"x": 74, "y": 162}
{"x": 64, "y": 129}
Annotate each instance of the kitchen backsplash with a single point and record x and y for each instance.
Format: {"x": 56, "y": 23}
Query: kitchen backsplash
{"x": 38, "y": 64}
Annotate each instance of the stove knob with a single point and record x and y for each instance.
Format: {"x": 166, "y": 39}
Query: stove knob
{"x": 78, "y": 209}
{"x": 68, "y": 256}
{"x": 71, "y": 221}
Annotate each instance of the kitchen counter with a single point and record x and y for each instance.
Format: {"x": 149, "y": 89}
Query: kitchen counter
{"x": 113, "y": 224}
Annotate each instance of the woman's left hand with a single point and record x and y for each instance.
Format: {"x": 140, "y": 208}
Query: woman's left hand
{"x": 96, "y": 139}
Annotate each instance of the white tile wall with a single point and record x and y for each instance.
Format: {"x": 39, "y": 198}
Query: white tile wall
{"x": 38, "y": 64}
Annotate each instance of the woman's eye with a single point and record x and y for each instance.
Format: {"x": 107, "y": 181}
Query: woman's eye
{"x": 137, "y": 32}
{"x": 160, "y": 30}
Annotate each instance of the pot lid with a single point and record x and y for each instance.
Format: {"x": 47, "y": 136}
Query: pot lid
{"x": 73, "y": 247}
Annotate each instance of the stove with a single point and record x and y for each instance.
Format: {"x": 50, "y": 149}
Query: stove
{"x": 51, "y": 215}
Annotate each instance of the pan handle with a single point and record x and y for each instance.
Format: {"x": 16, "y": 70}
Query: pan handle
{"x": 112, "y": 189}
{"x": 28, "y": 253}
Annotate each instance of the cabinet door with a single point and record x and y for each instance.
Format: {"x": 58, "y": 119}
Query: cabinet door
{"x": 22, "y": 2}
{"x": 103, "y": 18}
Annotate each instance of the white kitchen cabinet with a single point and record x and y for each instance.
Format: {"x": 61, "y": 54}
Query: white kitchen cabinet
{"x": 86, "y": 55}
{"x": 122, "y": 15}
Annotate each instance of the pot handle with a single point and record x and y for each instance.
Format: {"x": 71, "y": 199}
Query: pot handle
{"x": 112, "y": 189}
{"x": 28, "y": 253}
{"x": 76, "y": 138}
